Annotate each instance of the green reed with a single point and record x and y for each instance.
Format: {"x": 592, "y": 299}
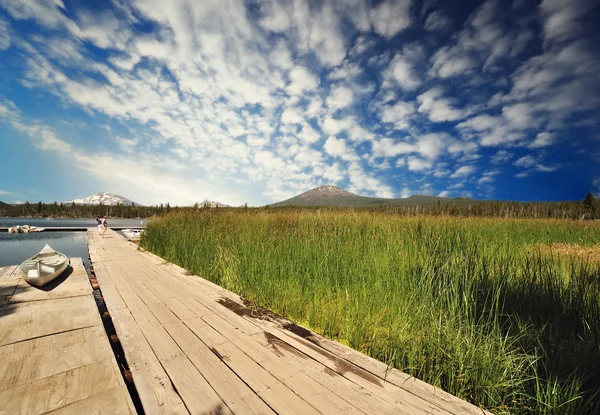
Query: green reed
{"x": 469, "y": 305}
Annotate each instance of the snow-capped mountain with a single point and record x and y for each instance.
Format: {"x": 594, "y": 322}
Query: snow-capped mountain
{"x": 210, "y": 203}
{"x": 102, "y": 197}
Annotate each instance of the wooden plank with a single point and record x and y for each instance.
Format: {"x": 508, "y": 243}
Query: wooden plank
{"x": 111, "y": 402}
{"x": 271, "y": 390}
{"x": 195, "y": 391}
{"x": 9, "y": 279}
{"x": 152, "y": 383}
{"x": 327, "y": 393}
{"x": 53, "y": 392}
{"x": 39, "y": 358}
{"x": 42, "y": 318}
{"x": 238, "y": 396}
{"x": 71, "y": 283}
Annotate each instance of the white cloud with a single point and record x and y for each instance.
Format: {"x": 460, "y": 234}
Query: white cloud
{"x": 390, "y": 17}
{"x": 309, "y": 134}
{"x": 4, "y": 35}
{"x": 388, "y": 147}
{"x": 438, "y": 108}
{"x": 445, "y": 193}
{"x": 291, "y": 116}
{"x": 418, "y": 164}
{"x": 398, "y": 114}
{"x": 301, "y": 80}
{"x": 543, "y": 139}
{"x": 562, "y": 18}
{"x": 137, "y": 178}
{"x": 317, "y": 29}
{"x": 448, "y": 62}
{"x": 463, "y": 171}
{"x": 525, "y": 161}
{"x": 340, "y": 97}
{"x": 337, "y": 147}
{"x": 4, "y": 192}
{"x": 437, "y": 21}
{"x": 488, "y": 176}
{"x": 402, "y": 71}
{"x": 348, "y": 125}
{"x": 545, "y": 169}
{"x": 502, "y": 156}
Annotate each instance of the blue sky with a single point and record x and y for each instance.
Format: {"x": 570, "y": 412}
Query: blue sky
{"x": 257, "y": 101}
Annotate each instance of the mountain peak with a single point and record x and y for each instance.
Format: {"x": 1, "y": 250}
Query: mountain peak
{"x": 324, "y": 193}
{"x": 211, "y": 203}
{"x": 104, "y": 198}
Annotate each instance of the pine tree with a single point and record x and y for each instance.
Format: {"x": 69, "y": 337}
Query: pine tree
{"x": 590, "y": 204}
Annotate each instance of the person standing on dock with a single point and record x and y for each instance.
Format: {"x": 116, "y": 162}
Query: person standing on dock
{"x": 99, "y": 223}
{"x": 104, "y": 226}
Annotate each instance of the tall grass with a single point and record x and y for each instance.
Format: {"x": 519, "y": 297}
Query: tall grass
{"x": 470, "y": 305}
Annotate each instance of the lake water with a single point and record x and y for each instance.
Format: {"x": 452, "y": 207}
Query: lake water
{"x": 15, "y": 248}
{"x": 64, "y": 223}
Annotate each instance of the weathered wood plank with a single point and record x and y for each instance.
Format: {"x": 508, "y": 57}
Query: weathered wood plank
{"x": 230, "y": 388}
{"x": 42, "y": 318}
{"x": 111, "y": 402}
{"x": 62, "y": 389}
{"x": 152, "y": 383}
{"x": 271, "y": 390}
{"x": 36, "y": 359}
{"x": 9, "y": 279}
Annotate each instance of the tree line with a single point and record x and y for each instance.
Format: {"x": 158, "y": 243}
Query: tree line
{"x": 72, "y": 210}
{"x": 588, "y": 209}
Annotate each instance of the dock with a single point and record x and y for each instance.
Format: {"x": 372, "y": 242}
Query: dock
{"x": 68, "y": 228}
{"x": 55, "y": 355}
{"x": 196, "y": 348}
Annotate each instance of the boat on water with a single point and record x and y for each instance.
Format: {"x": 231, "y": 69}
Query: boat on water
{"x": 44, "y": 266}
{"x": 132, "y": 233}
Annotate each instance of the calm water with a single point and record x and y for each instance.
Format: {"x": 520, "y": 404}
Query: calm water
{"x": 15, "y": 248}
{"x": 78, "y": 222}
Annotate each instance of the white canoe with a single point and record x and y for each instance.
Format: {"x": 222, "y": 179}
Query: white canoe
{"x": 44, "y": 266}
{"x": 132, "y": 233}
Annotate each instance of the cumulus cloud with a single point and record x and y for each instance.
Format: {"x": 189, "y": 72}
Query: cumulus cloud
{"x": 438, "y": 108}
{"x": 562, "y": 18}
{"x": 402, "y": 71}
{"x": 301, "y": 80}
{"x": 436, "y": 20}
{"x": 390, "y": 17}
{"x": 398, "y": 114}
{"x": 340, "y": 97}
{"x": 4, "y": 35}
{"x": 543, "y": 139}
{"x": 463, "y": 171}
{"x": 418, "y": 164}
{"x": 525, "y": 161}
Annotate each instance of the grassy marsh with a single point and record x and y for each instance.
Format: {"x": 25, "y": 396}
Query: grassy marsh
{"x": 483, "y": 308}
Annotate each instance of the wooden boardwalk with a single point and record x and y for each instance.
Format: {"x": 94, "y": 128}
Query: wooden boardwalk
{"x": 55, "y": 356}
{"x": 196, "y": 348}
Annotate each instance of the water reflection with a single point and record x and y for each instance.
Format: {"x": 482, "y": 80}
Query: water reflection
{"x": 71, "y": 222}
{"x": 15, "y": 248}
